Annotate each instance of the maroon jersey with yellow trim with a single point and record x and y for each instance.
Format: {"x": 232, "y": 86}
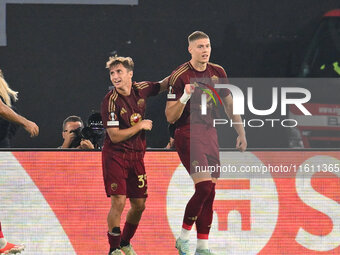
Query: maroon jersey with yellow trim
{"x": 186, "y": 74}
{"x": 125, "y": 112}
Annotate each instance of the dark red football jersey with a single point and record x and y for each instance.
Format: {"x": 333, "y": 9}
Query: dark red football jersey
{"x": 126, "y": 111}
{"x": 204, "y": 81}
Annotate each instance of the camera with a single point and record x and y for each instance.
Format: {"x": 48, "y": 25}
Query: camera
{"x": 94, "y": 131}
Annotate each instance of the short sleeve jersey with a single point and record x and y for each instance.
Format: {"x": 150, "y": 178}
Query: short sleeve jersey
{"x": 126, "y": 111}
{"x": 187, "y": 74}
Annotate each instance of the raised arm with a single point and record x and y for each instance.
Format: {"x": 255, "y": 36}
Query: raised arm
{"x": 241, "y": 141}
{"x": 174, "y": 109}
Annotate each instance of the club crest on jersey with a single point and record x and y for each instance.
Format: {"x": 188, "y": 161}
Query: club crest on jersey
{"x": 214, "y": 78}
{"x": 141, "y": 102}
{"x": 135, "y": 118}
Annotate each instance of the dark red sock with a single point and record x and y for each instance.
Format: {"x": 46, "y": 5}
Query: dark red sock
{"x": 195, "y": 204}
{"x": 114, "y": 238}
{"x": 128, "y": 231}
{"x": 204, "y": 220}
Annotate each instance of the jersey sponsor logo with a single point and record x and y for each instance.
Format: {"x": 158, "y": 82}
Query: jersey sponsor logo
{"x": 135, "y": 118}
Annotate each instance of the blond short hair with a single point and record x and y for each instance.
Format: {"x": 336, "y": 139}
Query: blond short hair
{"x": 127, "y": 62}
{"x": 197, "y": 35}
{"x": 6, "y": 92}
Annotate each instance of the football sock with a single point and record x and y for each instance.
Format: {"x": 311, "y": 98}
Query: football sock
{"x": 204, "y": 220}
{"x": 3, "y": 243}
{"x": 202, "y": 244}
{"x": 195, "y": 204}
{"x": 124, "y": 243}
{"x": 128, "y": 232}
{"x": 114, "y": 238}
{"x": 185, "y": 234}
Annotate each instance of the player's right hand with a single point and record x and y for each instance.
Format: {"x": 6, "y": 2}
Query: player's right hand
{"x": 146, "y": 124}
{"x": 189, "y": 88}
{"x": 241, "y": 143}
{"x": 32, "y": 128}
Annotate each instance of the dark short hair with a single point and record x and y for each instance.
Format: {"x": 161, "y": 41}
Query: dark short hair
{"x": 197, "y": 35}
{"x": 72, "y": 118}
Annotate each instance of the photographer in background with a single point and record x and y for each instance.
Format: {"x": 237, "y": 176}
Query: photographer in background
{"x": 71, "y": 128}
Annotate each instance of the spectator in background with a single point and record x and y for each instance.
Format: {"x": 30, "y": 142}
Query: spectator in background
{"x": 8, "y": 115}
{"x": 72, "y": 126}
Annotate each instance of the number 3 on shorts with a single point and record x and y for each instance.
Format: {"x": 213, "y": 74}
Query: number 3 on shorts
{"x": 141, "y": 179}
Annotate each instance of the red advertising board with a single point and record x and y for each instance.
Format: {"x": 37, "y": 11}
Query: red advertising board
{"x": 55, "y": 203}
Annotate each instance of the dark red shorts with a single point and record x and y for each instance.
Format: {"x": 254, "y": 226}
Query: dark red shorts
{"x": 124, "y": 176}
{"x": 198, "y": 150}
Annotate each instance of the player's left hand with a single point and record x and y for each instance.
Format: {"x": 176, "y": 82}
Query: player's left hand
{"x": 241, "y": 143}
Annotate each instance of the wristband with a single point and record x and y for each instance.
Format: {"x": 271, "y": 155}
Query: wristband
{"x": 185, "y": 97}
